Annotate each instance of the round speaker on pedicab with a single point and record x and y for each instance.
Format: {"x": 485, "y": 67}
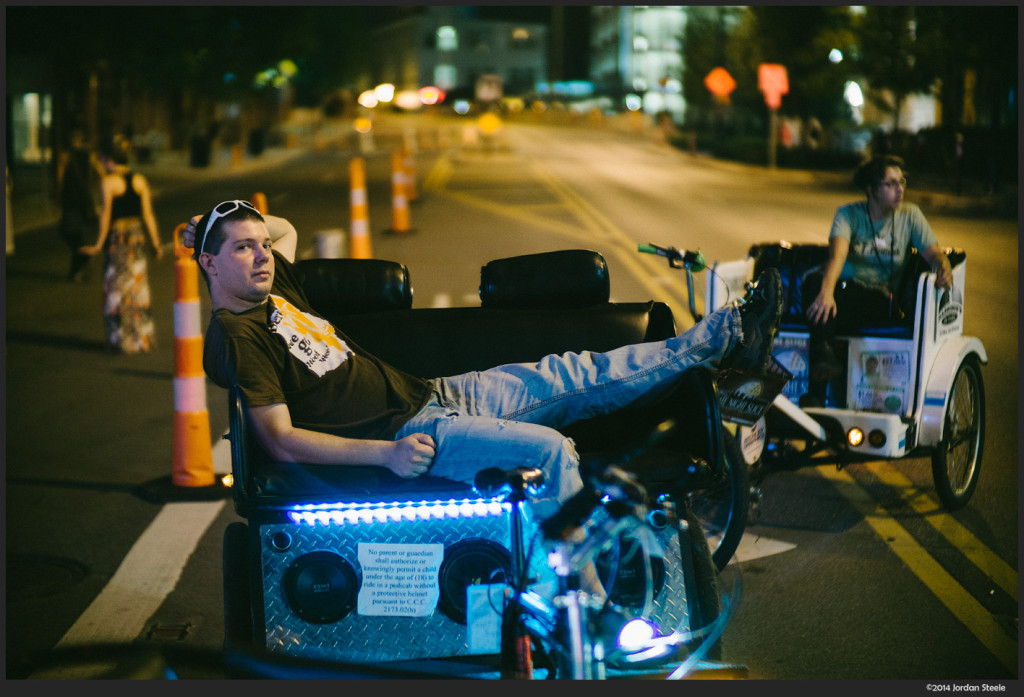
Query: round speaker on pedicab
{"x": 467, "y": 563}
{"x": 629, "y": 583}
{"x": 321, "y": 587}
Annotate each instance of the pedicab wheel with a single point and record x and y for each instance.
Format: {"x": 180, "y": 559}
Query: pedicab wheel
{"x": 706, "y": 584}
{"x": 956, "y": 460}
{"x": 238, "y": 629}
{"x": 722, "y": 509}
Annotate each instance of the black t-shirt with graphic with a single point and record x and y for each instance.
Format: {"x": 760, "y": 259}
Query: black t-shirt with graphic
{"x": 283, "y": 352}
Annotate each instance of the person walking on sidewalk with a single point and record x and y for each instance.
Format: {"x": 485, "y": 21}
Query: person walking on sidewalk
{"x": 125, "y": 220}
{"x": 78, "y": 175}
{"x": 869, "y": 247}
{"x": 314, "y": 397}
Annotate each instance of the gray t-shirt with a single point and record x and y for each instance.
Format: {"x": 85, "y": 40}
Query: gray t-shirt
{"x": 879, "y": 248}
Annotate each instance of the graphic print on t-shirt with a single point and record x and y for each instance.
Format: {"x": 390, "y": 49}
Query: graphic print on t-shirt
{"x": 310, "y": 339}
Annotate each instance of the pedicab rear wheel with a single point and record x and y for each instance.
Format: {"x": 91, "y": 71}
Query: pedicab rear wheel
{"x": 724, "y": 507}
{"x": 238, "y": 620}
{"x": 956, "y": 460}
{"x": 706, "y": 603}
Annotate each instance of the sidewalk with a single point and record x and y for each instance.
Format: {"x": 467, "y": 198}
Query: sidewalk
{"x": 34, "y": 209}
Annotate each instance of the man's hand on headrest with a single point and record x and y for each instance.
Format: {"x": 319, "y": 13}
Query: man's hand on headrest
{"x": 188, "y": 236}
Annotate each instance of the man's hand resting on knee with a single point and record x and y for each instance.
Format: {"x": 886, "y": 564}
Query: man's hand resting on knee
{"x": 408, "y": 457}
{"x": 411, "y": 456}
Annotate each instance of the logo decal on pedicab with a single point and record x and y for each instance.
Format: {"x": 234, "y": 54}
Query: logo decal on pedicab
{"x": 751, "y": 389}
{"x": 752, "y": 440}
{"x": 949, "y": 311}
{"x": 745, "y": 398}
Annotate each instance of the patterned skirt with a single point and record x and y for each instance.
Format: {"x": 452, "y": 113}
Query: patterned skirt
{"x": 126, "y": 317}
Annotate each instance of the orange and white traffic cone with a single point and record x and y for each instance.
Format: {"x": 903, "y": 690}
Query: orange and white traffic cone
{"x": 193, "y": 453}
{"x": 409, "y": 170}
{"x": 359, "y": 242}
{"x": 259, "y": 202}
{"x": 399, "y": 198}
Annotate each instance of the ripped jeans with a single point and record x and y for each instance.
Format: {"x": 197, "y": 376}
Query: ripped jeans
{"x": 506, "y": 417}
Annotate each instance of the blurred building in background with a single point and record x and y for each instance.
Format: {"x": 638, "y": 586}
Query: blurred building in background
{"x": 452, "y": 49}
{"x": 636, "y": 57}
{"x": 956, "y": 97}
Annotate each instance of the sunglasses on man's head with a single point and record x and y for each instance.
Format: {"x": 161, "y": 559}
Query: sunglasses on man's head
{"x": 221, "y": 210}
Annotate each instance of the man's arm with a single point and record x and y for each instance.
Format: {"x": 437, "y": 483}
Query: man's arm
{"x": 409, "y": 457}
{"x": 940, "y": 265}
{"x": 824, "y": 306}
{"x": 283, "y": 236}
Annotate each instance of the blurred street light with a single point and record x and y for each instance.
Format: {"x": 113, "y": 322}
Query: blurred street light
{"x": 431, "y": 95}
{"x": 384, "y": 92}
{"x": 853, "y": 94}
{"x": 408, "y": 99}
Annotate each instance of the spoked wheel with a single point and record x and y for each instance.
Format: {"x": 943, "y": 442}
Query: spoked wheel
{"x": 238, "y": 623}
{"x": 723, "y": 508}
{"x": 956, "y": 460}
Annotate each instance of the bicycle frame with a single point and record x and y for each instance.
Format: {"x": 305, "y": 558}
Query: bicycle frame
{"x": 572, "y": 625}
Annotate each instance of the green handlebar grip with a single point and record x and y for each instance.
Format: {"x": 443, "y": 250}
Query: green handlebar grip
{"x": 699, "y": 262}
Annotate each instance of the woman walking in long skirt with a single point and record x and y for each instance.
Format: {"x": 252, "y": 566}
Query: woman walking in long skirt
{"x": 127, "y": 226}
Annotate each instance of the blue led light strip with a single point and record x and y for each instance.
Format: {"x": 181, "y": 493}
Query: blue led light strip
{"x": 341, "y": 513}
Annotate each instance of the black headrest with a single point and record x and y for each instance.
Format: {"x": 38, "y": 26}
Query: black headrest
{"x": 352, "y": 286}
{"x": 562, "y": 279}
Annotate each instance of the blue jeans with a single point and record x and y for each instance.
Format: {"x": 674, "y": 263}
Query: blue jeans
{"x": 507, "y": 416}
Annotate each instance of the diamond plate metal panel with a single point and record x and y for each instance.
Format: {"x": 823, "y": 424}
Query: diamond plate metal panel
{"x": 670, "y": 608}
{"x": 357, "y": 638}
{"x": 360, "y": 638}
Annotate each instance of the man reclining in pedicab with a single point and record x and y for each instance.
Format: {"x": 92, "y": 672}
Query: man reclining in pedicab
{"x": 313, "y": 396}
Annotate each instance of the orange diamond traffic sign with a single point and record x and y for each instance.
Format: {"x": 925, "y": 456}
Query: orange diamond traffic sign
{"x": 719, "y": 82}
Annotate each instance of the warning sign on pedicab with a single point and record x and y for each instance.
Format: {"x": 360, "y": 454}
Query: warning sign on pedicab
{"x": 399, "y": 580}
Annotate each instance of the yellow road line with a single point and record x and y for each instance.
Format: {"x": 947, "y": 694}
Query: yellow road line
{"x": 645, "y": 270}
{"x": 438, "y": 175}
{"x": 594, "y": 226}
{"x": 970, "y": 612}
{"x": 950, "y": 528}
{"x": 441, "y": 174}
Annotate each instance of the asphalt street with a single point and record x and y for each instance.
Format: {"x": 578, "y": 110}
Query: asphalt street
{"x": 89, "y": 432}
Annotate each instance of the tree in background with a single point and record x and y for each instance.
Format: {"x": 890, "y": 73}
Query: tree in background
{"x": 801, "y": 38}
{"x": 966, "y": 56}
{"x": 798, "y": 37}
{"x": 890, "y": 57}
{"x": 705, "y": 42}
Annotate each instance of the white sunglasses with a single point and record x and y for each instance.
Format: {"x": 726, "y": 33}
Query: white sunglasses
{"x": 221, "y": 210}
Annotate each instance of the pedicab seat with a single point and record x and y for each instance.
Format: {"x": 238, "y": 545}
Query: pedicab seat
{"x": 795, "y": 261}
{"x": 531, "y": 306}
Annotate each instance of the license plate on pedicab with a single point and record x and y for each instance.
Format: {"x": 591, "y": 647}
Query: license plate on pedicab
{"x": 744, "y": 397}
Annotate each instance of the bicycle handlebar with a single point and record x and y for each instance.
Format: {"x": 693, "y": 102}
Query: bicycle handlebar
{"x": 690, "y": 260}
